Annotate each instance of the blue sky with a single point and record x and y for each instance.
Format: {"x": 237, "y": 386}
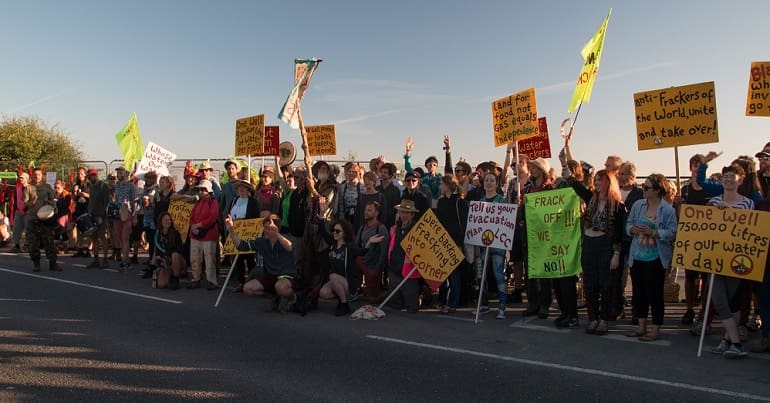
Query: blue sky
{"x": 391, "y": 69}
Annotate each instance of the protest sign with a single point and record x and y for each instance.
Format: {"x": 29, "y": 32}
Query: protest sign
{"x": 180, "y": 215}
{"x": 515, "y": 117}
{"x": 676, "y": 116}
{"x": 537, "y": 146}
{"x": 250, "y": 135}
{"x": 729, "y": 242}
{"x": 321, "y": 140}
{"x": 431, "y": 249}
{"x": 553, "y": 233}
{"x": 271, "y": 143}
{"x": 758, "y": 100}
{"x": 246, "y": 230}
{"x": 491, "y": 224}
{"x": 155, "y": 158}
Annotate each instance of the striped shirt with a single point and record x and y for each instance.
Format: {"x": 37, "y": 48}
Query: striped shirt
{"x": 743, "y": 202}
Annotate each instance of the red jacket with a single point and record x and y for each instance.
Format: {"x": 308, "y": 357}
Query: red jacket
{"x": 206, "y": 212}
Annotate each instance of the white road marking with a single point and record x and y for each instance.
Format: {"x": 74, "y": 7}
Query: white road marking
{"x": 96, "y": 287}
{"x": 571, "y": 368}
{"x": 78, "y": 265}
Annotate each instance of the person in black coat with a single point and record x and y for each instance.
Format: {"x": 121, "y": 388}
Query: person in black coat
{"x": 452, "y": 212}
{"x": 243, "y": 207}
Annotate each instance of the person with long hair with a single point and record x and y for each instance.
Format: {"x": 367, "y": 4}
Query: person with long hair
{"x": 602, "y": 235}
{"x": 169, "y": 249}
{"x": 166, "y": 188}
{"x": 652, "y": 223}
{"x": 539, "y": 295}
{"x": 452, "y": 212}
{"x": 495, "y": 256}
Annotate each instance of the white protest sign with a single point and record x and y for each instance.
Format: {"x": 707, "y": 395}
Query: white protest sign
{"x": 155, "y": 158}
{"x": 491, "y": 224}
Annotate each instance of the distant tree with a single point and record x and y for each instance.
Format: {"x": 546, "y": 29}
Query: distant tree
{"x": 28, "y": 138}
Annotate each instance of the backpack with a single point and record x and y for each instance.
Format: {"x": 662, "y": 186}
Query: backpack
{"x": 307, "y": 300}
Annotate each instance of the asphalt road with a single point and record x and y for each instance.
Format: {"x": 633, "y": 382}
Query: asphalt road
{"x": 96, "y": 335}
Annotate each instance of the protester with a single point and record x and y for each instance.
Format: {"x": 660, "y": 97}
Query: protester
{"x": 399, "y": 265}
{"x": 80, "y": 195}
{"x": 452, "y": 212}
{"x": 630, "y": 192}
{"x": 539, "y": 296}
{"x": 64, "y": 208}
{"x": 206, "y": 171}
{"x": 652, "y": 223}
{"x": 20, "y": 213}
{"x": 244, "y": 207}
{"x": 125, "y": 197}
{"x": 99, "y": 192}
{"x": 162, "y": 199}
{"x": 762, "y": 345}
{"x": 268, "y": 193}
{"x": 169, "y": 249}
{"x": 350, "y": 196}
{"x": 412, "y": 192}
{"x": 390, "y": 191}
{"x": 40, "y": 232}
{"x": 147, "y": 226}
{"x": 372, "y": 263}
{"x": 204, "y": 233}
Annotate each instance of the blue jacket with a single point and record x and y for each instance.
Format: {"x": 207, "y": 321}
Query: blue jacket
{"x": 665, "y": 219}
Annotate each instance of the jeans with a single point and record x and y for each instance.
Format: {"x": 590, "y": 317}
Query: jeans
{"x": 497, "y": 258}
{"x": 450, "y": 292}
{"x": 597, "y": 277}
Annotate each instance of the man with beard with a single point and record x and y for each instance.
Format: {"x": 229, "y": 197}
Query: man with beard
{"x": 38, "y": 232}
{"x": 99, "y": 192}
{"x": 321, "y": 212}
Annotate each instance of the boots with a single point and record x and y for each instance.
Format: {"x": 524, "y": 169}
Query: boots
{"x": 173, "y": 283}
{"x": 53, "y": 266}
{"x": 36, "y": 264}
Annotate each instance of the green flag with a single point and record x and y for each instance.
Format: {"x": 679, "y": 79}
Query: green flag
{"x": 553, "y": 233}
{"x": 130, "y": 143}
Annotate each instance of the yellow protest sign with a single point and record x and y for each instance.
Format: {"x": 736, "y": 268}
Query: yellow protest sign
{"x": 321, "y": 140}
{"x": 246, "y": 230}
{"x": 676, "y": 116}
{"x": 429, "y": 246}
{"x": 250, "y": 135}
{"x": 180, "y": 215}
{"x": 758, "y": 100}
{"x": 515, "y": 117}
{"x": 730, "y": 242}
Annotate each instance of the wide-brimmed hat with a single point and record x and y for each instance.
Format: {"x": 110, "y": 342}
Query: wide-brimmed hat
{"x": 268, "y": 170}
{"x": 246, "y": 184}
{"x": 206, "y": 165}
{"x": 407, "y": 205}
{"x": 765, "y": 153}
{"x": 541, "y": 163}
{"x": 205, "y": 184}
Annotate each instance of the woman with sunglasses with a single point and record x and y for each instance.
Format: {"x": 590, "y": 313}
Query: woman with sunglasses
{"x": 652, "y": 224}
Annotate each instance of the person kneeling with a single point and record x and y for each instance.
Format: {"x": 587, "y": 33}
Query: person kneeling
{"x": 280, "y": 275}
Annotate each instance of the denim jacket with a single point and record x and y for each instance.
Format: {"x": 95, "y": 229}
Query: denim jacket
{"x": 665, "y": 218}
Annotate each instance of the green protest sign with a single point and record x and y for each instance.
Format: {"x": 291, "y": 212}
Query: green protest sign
{"x": 553, "y": 233}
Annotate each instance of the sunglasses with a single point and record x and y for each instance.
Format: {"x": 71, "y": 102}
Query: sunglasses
{"x": 410, "y": 180}
{"x": 336, "y": 231}
{"x": 457, "y": 171}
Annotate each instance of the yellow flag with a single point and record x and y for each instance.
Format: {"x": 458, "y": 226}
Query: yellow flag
{"x": 130, "y": 143}
{"x": 592, "y": 54}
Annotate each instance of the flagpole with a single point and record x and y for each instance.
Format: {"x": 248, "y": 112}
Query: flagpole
{"x": 572, "y": 126}
{"x": 306, "y": 151}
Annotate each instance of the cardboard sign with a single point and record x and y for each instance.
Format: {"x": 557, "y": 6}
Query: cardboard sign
{"x": 730, "y": 242}
{"x": 180, "y": 215}
{"x": 515, "y": 117}
{"x": 676, "y": 116}
{"x": 538, "y": 146}
{"x": 155, "y": 158}
{"x": 429, "y": 246}
{"x": 758, "y": 100}
{"x": 246, "y": 230}
{"x": 250, "y": 135}
{"x": 271, "y": 142}
{"x": 553, "y": 233}
{"x": 491, "y": 224}
{"x": 321, "y": 140}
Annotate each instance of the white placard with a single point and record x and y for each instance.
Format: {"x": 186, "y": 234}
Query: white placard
{"x": 491, "y": 224}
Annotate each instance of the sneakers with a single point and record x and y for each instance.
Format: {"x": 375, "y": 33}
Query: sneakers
{"x": 760, "y": 346}
{"x": 558, "y": 321}
{"x": 211, "y": 286}
{"x": 591, "y": 328}
{"x": 697, "y": 327}
{"x": 542, "y": 313}
{"x": 735, "y": 352}
{"x": 755, "y": 323}
{"x": 105, "y": 264}
{"x": 723, "y": 346}
{"x": 573, "y": 322}
{"x": 482, "y": 310}
{"x": 53, "y": 266}
{"x": 688, "y": 317}
{"x": 500, "y": 314}
{"x": 601, "y": 328}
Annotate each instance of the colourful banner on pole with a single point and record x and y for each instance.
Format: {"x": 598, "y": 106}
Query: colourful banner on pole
{"x": 729, "y": 242}
{"x": 247, "y": 230}
{"x": 592, "y": 55}
{"x": 429, "y": 246}
{"x": 676, "y": 116}
{"x": 515, "y": 117}
{"x": 303, "y": 72}
{"x": 491, "y": 224}
{"x": 758, "y": 100}
{"x": 130, "y": 143}
{"x": 321, "y": 140}
{"x": 250, "y": 135}
{"x": 553, "y": 233}
{"x": 179, "y": 211}
{"x": 538, "y": 146}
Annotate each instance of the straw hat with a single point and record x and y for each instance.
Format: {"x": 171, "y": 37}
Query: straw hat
{"x": 407, "y": 205}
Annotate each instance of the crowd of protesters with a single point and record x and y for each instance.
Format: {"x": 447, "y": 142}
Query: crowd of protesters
{"x": 338, "y": 237}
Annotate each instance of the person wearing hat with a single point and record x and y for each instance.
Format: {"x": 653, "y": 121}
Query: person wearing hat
{"x": 188, "y": 192}
{"x": 268, "y": 193}
{"x": 430, "y": 180}
{"x": 399, "y": 265}
{"x": 39, "y": 233}
{"x": 125, "y": 197}
{"x": 412, "y": 192}
{"x": 20, "y": 212}
{"x": 204, "y": 234}
{"x": 207, "y": 173}
{"x": 322, "y": 211}
{"x": 764, "y": 170}
{"x": 243, "y": 207}
{"x": 99, "y": 192}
